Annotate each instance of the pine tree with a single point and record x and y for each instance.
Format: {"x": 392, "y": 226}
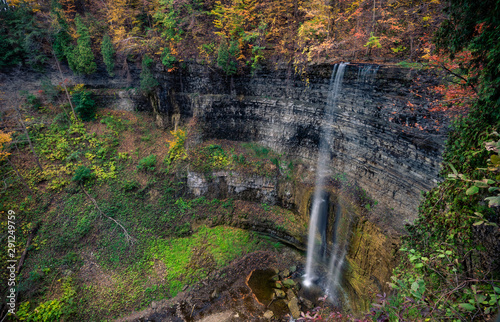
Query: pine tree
{"x": 60, "y": 30}
{"x": 226, "y": 58}
{"x": 81, "y": 60}
{"x": 108, "y": 51}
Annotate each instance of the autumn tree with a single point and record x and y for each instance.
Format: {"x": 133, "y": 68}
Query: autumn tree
{"x": 69, "y": 10}
{"x": 242, "y": 29}
{"x": 5, "y": 138}
{"x": 319, "y": 18}
{"x": 283, "y": 18}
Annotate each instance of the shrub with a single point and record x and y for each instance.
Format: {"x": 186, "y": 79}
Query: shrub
{"x": 33, "y": 101}
{"x": 176, "y": 149}
{"x": 130, "y": 185}
{"x": 148, "y": 163}
{"x": 84, "y": 105}
{"x": 83, "y": 175}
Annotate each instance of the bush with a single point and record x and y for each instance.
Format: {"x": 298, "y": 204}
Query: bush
{"x": 83, "y": 175}
{"x": 84, "y": 105}
{"x": 130, "y": 185}
{"x": 147, "y": 163}
{"x": 176, "y": 149}
{"x": 33, "y": 101}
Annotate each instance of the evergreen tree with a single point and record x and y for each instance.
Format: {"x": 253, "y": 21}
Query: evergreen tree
{"x": 62, "y": 40}
{"x": 84, "y": 105}
{"x": 81, "y": 60}
{"x": 108, "y": 51}
{"x": 226, "y": 58}
{"x": 20, "y": 37}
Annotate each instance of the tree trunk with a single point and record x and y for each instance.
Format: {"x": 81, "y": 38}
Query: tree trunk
{"x": 64, "y": 85}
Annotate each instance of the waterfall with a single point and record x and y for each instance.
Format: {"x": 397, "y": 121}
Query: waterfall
{"x": 319, "y": 199}
{"x": 337, "y": 257}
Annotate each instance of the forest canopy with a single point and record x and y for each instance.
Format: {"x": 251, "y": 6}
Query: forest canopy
{"x": 236, "y": 35}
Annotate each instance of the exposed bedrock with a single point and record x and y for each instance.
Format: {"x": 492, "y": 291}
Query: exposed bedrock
{"x": 284, "y": 112}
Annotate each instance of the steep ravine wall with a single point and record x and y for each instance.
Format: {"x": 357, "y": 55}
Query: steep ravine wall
{"x": 284, "y": 112}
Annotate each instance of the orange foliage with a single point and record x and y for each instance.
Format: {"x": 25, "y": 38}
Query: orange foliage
{"x": 458, "y": 95}
{"x": 5, "y": 138}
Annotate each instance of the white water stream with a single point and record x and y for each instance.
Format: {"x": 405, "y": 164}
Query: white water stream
{"x": 323, "y": 158}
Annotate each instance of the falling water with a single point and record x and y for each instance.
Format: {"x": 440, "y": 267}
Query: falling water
{"x": 324, "y": 152}
{"x": 366, "y": 75}
{"x": 337, "y": 257}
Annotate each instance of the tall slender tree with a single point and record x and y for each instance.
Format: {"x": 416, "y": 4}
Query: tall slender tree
{"x": 108, "y": 51}
{"x": 82, "y": 59}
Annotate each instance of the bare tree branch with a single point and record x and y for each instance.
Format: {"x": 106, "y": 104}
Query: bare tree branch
{"x": 459, "y": 76}
{"x": 129, "y": 238}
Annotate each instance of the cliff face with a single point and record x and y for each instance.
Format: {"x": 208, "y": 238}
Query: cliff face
{"x": 284, "y": 112}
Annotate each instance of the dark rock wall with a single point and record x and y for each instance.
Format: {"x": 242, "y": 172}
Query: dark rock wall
{"x": 284, "y": 112}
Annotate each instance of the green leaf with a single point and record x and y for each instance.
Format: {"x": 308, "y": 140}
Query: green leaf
{"x": 414, "y": 286}
{"x": 493, "y": 201}
{"x": 493, "y": 189}
{"x": 489, "y": 181}
{"x": 472, "y": 191}
{"x": 467, "y": 306}
{"x": 477, "y": 223}
{"x": 495, "y": 159}
{"x": 455, "y": 172}
{"x": 419, "y": 265}
{"x": 480, "y": 184}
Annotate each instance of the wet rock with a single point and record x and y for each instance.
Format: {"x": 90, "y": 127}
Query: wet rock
{"x": 290, "y": 294}
{"x": 293, "y": 305}
{"x": 305, "y": 302}
{"x": 279, "y": 294}
{"x": 278, "y": 285}
{"x": 268, "y": 315}
{"x": 275, "y": 278}
{"x": 289, "y": 283}
{"x": 285, "y": 273}
{"x": 285, "y": 113}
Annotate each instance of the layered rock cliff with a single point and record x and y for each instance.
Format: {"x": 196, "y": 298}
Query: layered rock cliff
{"x": 284, "y": 111}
